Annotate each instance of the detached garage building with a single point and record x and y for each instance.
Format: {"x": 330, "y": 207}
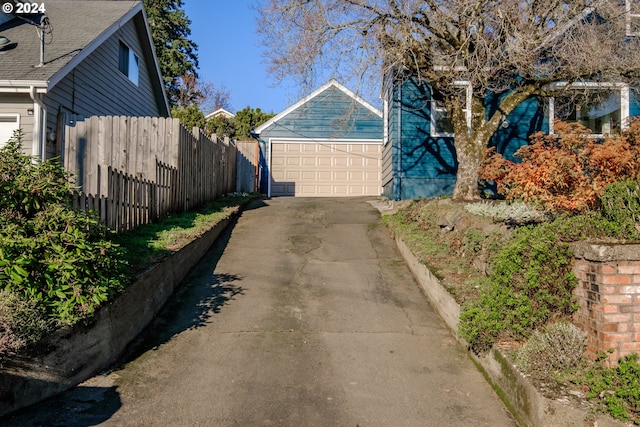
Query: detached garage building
{"x": 328, "y": 144}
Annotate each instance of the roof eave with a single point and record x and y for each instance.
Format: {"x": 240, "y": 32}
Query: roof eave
{"x": 165, "y": 99}
{"x": 94, "y": 44}
{"x": 23, "y": 86}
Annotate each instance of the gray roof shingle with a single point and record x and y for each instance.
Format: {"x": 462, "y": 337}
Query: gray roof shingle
{"x": 75, "y": 24}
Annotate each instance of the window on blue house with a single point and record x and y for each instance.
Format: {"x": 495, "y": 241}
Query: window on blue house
{"x": 128, "y": 63}
{"x": 440, "y": 124}
{"x": 603, "y": 108}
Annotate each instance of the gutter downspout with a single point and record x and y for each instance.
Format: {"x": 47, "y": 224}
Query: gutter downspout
{"x": 40, "y": 120}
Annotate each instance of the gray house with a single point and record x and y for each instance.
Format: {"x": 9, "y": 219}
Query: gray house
{"x": 80, "y": 58}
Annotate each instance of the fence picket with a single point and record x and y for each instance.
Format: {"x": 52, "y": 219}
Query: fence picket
{"x": 154, "y": 166}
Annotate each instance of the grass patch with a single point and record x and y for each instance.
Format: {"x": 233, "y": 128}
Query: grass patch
{"x": 147, "y": 244}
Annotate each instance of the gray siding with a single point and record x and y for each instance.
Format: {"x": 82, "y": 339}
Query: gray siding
{"x": 97, "y": 87}
{"x": 19, "y": 104}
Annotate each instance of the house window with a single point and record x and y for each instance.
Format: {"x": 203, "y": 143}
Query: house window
{"x": 8, "y": 124}
{"x": 602, "y": 108}
{"x": 440, "y": 124}
{"x": 633, "y": 17}
{"x": 128, "y": 63}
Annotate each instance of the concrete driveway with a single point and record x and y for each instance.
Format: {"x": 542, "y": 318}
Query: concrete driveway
{"x": 304, "y": 314}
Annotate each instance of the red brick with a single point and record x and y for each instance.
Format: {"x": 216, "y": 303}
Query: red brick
{"x": 636, "y": 278}
{"x": 630, "y": 347}
{"x": 609, "y": 269}
{"x": 617, "y": 299}
{"x": 626, "y": 327}
{"x": 631, "y": 308}
{"x": 636, "y": 337}
{"x": 616, "y": 280}
{"x": 612, "y": 327}
{"x": 611, "y": 337}
{"x": 616, "y": 318}
{"x": 608, "y": 290}
{"x": 629, "y": 269}
{"x": 630, "y": 290}
{"x": 608, "y": 308}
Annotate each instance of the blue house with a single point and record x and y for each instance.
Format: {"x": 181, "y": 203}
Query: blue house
{"x": 419, "y": 158}
{"x": 328, "y": 144}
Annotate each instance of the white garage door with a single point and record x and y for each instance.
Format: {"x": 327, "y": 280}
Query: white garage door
{"x": 8, "y": 123}
{"x": 306, "y": 169}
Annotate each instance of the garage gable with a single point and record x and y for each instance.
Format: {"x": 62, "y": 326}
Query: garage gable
{"x": 327, "y": 144}
{"x": 330, "y": 112}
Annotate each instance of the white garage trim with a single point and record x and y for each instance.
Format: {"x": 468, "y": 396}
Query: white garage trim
{"x": 315, "y": 142}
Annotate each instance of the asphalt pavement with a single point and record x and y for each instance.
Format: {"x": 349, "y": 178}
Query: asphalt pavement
{"x": 303, "y": 314}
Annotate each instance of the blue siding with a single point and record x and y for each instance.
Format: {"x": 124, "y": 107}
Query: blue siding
{"x": 330, "y": 115}
{"x": 423, "y": 166}
{"x": 634, "y": 107}
{"x": 426, "y": 166}
{"x": 526, "y": 119}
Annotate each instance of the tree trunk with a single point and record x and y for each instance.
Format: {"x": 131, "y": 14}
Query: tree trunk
{"x": 469, "y": 161}
{"x": 470, "y": 149}
{"x": 466, "y": 187}
{"x": 471, "y": 143}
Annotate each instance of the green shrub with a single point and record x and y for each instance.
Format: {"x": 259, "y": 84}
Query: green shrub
{"x": 556, "y": 347}
{"x": 616, "y": 389}
{"x": 50, "y": 254}
{"x": 621, "y": 205}
{"x": 22, "y": 323}
{"x": 529, "y": 284}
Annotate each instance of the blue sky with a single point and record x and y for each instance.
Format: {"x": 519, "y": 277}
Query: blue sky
{"x": 229, "y": 54}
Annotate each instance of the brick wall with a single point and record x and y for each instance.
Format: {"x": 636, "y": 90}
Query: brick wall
{"x": 608, "y": 296}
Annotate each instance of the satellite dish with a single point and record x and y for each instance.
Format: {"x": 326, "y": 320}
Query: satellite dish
{"x": 4, "y": 42}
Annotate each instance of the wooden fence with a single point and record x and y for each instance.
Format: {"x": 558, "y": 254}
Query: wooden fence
{"x": 247, "y": 166}
{"x": 131, "y": 201}
{"x": 153, "y": 166}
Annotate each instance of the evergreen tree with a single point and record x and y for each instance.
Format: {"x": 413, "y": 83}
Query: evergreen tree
{"x": 248, "y": 119}
{"x": 177, "y": 54}
{"x": 190, "y": 116}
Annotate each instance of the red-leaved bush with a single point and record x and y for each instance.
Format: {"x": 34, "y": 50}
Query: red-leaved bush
{"x": 568, "y": 171}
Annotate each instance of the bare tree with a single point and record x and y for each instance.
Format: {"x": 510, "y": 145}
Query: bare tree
{"x": 514, "y": 49}
{"x": 205, "y": 95}
{"x": 214, "y": 97}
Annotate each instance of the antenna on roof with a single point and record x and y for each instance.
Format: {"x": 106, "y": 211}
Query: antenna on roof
{"x": 43, "y": 28}
{"x": 44, "y": 23}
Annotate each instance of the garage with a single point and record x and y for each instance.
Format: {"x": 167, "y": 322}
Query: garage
{"x": 330, "y": 169}
{"x": 329, "y": 144}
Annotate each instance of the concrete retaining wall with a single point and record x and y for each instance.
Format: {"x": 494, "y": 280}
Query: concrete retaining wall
{"x": 79, "y": 353}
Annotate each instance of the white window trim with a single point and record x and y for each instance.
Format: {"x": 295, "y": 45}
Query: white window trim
{"x": 434, "y": 110}
{"x": 17, "y": 117}
{"x": 630, "y": 16}
{"x": 624, "y": 101}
